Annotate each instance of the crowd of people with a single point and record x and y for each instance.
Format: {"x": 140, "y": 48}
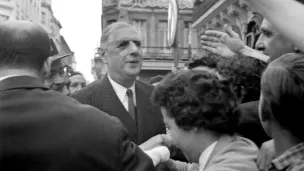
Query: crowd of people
{"x": 235, "y": 109}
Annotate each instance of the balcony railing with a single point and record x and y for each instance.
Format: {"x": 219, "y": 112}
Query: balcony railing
{"x": 109, "y": 3}
{"x": 156, "y": 3}
{"x": 167, "y": 54}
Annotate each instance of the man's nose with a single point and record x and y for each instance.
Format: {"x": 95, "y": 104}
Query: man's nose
{"x": 135, "y": 50}
{"x": 260, "y": 45}
{"x": 79, "y": 87}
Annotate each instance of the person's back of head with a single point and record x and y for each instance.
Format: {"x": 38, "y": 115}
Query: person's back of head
{"x": 209, "y": 61}
{"x": 23, "y": 45}
{"x": 283, "y": 94}
{"x": 245, "y": 74}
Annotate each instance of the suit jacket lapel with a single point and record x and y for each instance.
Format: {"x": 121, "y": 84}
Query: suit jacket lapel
{"x": 144, "y": 113}
{"x": 112, "y": 105}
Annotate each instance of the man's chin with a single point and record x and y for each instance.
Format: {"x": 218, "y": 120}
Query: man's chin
{"x": 133, "y": 73}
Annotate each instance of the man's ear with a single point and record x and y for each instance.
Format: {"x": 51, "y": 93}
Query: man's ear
{"x": 46, "y": 69}
{"x": 104, "y": 57}
{"x": 265, "y": 109}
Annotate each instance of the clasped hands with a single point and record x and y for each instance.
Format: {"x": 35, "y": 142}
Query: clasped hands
{"x": 157, "y": 148}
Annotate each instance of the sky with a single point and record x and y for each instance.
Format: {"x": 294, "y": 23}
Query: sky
{"x": 81, "y": 28}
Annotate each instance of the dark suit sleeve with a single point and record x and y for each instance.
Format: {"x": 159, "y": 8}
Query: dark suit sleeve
{"x": 133, "y": 158}
{"x": 82, "y": 97}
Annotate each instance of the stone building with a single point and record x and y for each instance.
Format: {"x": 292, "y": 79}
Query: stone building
{"x": 41, "y": 13}
{"x": 213, "y": 14}
{"x": 52, "y": 25}
{"x": 20, "y": 10}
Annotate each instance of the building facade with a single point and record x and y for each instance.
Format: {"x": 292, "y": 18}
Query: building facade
{"x": 52, "y": 26}
{"x": 20, "y": 10}
{"x": 214, "y": 14}
{"x": 41, "y": 13}
{"x": 150, "y": 18}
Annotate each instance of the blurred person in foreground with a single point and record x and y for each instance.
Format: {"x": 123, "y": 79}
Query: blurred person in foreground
{"x": 44, "y": 130}
{"x": 199, "y": 110}
{"x": 281, "y": 108}
{"x": 78, "y": 82}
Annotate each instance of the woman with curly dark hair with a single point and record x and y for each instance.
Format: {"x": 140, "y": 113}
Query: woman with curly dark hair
{"x": 199, "y": 110}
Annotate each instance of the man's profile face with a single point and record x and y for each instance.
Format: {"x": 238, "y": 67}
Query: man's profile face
{"x": 271, "y": 43}
{"x": 77, "y": 83}
{"x": 123, "y": 53}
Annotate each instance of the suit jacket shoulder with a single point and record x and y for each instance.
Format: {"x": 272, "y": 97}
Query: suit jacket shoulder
{"x": 55, "y": 132}
{"x": 85, "y": 94}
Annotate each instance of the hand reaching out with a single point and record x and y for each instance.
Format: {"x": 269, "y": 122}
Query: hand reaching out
{"x": 266, "y": 155}
{"x": 156, "y": 141}
{"x": 225, "y": 44}
{"x": 159, "y": 155}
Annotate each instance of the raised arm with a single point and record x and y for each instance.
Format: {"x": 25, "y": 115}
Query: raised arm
{"x": 228, "y": 44}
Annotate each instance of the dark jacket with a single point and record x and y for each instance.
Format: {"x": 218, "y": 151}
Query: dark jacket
{"x": 250, "y": 125}
{"x": 43, "y": 130}
{"x": 101, "y": 95}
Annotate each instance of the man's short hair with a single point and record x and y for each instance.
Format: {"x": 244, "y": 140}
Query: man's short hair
{"x": 75, "y": 73}
{"x": 245, "y": 74}
{"x": 209, "y": 61}
{"x": 110, "y": 29}
{"x": 198, "y": 99}
{"x": 23, "y": 45}
{"x": 283, "y": 91}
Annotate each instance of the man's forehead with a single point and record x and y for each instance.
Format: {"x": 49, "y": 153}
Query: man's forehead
{"x": 123, "y": 34}
{"x": 267, "y": 25}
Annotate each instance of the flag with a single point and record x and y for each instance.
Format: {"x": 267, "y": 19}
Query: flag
{"x": 189, "y": 42}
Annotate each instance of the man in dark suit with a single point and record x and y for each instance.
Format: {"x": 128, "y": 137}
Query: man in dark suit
{"x": 119, "y": 93}
{"x": 41, "y": 129}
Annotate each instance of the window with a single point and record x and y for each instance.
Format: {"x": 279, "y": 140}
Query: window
{"x": 43, "y": 18}
{"x": 109, "y": 22}
{"x": 3, "y": 18}
{"x": 192, "y": 35}
{"x": 141, "y": 27}
{"x": 162, "y": 33}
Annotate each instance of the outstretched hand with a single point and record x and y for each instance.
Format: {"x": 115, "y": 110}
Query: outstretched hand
{"x": 156, "y": 141}
{"x": 225, "y": 44}
{"x": 266, "y": 155}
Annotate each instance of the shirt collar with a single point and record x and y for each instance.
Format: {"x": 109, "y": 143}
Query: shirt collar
{"x": 121, "y": 90}
{"x": 3, "y": 78}
{"x": 205, "y": 156}
{"x": 288, "y": 157}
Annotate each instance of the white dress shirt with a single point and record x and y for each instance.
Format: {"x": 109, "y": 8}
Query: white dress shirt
{"x": 3, "y": 78}
{"x": 205, "y": 156}
{"x": 121, "y": 92}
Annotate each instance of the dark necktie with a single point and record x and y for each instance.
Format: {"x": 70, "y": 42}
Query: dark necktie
{"x": 131, "y": 105}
